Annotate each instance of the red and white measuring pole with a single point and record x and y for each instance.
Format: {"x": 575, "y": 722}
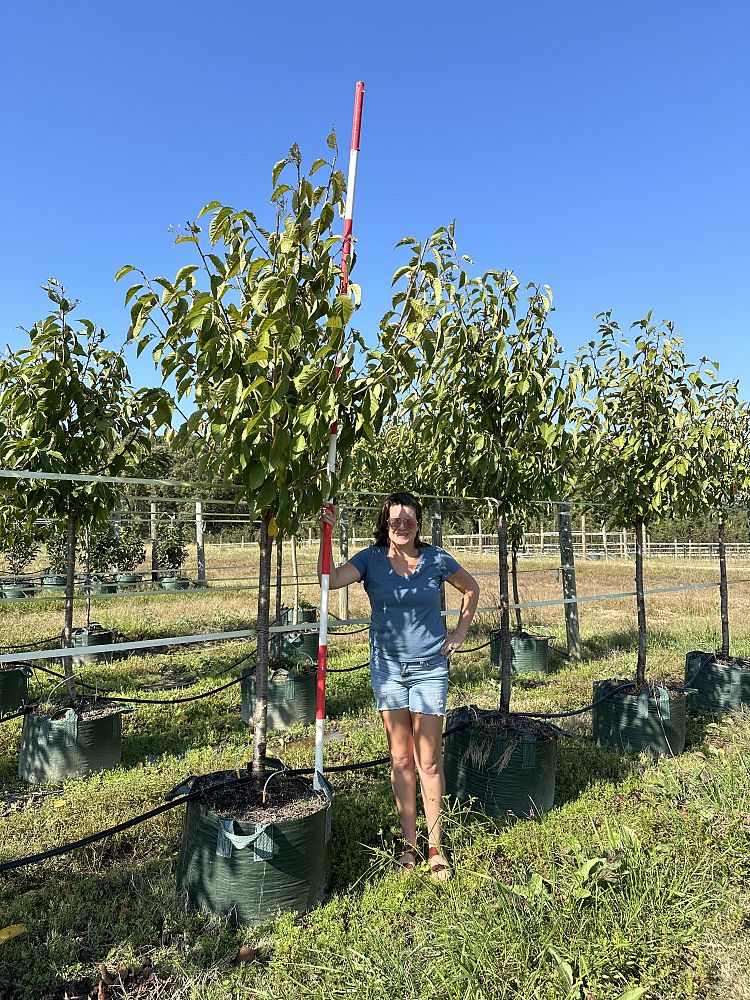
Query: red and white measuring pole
{"x": 325, "y": 576}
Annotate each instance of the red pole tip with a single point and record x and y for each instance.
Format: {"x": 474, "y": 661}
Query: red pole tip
{"x": 359, "y": 96}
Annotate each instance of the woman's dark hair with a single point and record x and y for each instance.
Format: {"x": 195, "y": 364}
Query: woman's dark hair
{"x": 404, "y": 499}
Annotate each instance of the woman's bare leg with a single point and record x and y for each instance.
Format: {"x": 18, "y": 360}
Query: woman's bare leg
{"x": 428, "y": 754}
{"x": 398, "y": 729}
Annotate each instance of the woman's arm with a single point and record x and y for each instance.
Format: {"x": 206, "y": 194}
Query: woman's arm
{"x": 465, "y": 584}
{"x": 341, "y": 576}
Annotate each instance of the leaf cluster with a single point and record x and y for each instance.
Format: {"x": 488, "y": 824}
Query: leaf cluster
{"x": 255, "y": 332}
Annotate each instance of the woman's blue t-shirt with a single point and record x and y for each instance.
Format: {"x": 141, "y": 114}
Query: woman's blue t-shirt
{"x": 406, "y": 623}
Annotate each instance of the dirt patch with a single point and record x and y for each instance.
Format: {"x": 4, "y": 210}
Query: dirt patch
{"x": 286, "y": 798}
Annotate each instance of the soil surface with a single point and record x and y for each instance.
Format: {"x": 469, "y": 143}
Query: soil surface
{"x": 636, "y": 689}
{"x": 11, "y": 666}
{"x": 89, "y": 710}
{"x": 492, "y": 721}
{"x": 287, "y": 798}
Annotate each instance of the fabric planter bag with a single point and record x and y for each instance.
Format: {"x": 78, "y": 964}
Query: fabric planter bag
{"x": 94, "y": 635}
{"x": 529, "y": 653}
{"x": 53, "y": 749}
{"x": 14, "y": 688}
{"x": 506, "y": 772}
{"x": 291, "y": 698}
{"x": 718, "y": 686}
{"x": 653, "y": 720}
{"x": 249, "y": 872}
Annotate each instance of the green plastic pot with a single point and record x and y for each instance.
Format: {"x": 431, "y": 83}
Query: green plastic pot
{"x": 14, "y": 688}
{"x": 94, "y": 635}
{"x": 53, "y": 749}
{"x": 17, "y": 591}
{"x": 102, "y": 586}
{"x": 53, "y": 584}
{"x": 173, "y": 583}
{"x": 718, "y": 686}
{"x": 653, "y": 720}
{"x": 510, "y": 772}
{"x": 303, "y": 615}
{"x": 291, "y": 699}
{"x": 529, "y": 653}
{"x": 250, "y": 872}
{"x": 129, "y": 579}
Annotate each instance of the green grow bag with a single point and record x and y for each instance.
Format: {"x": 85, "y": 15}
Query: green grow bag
{"x": 129, "y": 579}
{"x": 291, "y": 699}
{"x": 249, "y": 872}
{"x": 53, "y": 584}
{"x": 653, "y": 720}
{"x": 94, "y": 635}
{"x": 173, "y": 583}
{"x": 14, "y": 688}
{"x": 102, "y": 586}
{"x": 528, "y": 652}
{"x": 17, "y": 591}
{"x": 506, "y": 772}
{"x": 68, "y": 746}
{"x": 718, "y": 686}
{"x": 300, "y": 645}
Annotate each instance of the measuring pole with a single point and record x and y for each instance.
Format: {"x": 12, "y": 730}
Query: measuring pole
{"x": 325, "y": 576}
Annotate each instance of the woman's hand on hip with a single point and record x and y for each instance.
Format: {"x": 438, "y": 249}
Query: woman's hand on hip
{"x": 452, "y": 642}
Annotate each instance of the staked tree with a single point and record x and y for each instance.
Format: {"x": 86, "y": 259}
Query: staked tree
{"x": 484, "y": 378}
{"x": 67, "y": 406}
{"x": 641, "y": 416}
{"x": 256, "y": 332}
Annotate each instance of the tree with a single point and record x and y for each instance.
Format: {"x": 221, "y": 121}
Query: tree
{"x": 170, "y": 547}
{"x": 21, "y": 547}
{"x": 641, "y": 420}
{"x": 256, "y": 332}
{"x": 484, "y": 378}
{"x": 722, "y": 470}
{"x": 67, "y": 407}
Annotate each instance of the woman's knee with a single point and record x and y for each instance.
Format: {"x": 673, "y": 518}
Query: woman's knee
{"x": 402, "y": 762}
{"x": 430, "y": 765}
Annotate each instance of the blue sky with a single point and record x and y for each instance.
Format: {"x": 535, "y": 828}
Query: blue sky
{"x": 600, "y": 148}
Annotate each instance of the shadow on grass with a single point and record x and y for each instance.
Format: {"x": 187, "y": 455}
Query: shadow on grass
{"x": 581, "y": 764}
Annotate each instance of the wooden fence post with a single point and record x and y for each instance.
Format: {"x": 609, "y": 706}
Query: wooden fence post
{"x": 568, "y": 573}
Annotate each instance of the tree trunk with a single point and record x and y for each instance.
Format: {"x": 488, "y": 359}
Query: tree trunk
{"x": 261, "y": 670}
{"x": 514, "y": 576}
{"x": 70, "y": 581}
{"x": 279, "y": 570}
{"x": 640, "y": 670}
{"x": 505, "y": 651}
{"x": 723, "y": 589}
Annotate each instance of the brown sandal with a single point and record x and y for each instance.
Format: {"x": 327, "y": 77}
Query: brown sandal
{"x": 440, "y": 871}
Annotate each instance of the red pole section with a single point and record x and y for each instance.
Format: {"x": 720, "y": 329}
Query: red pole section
{"x": 325, "y": 576}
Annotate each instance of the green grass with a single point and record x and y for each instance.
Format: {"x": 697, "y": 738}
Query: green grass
{"x": 637, "y": 878}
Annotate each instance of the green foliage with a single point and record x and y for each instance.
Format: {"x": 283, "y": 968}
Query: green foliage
{"x": 67, "y": 406}
{"x": 642, "y": 416}
{"x": 21, "y": 548}
{"x": 55, "y": 545}
{"x": 170, "y": 546}
{"x": 130, "y": 550}
{"x": 482, "y": 377}
{"x": 253, "y": 331}
{"x": 101, "y": 550}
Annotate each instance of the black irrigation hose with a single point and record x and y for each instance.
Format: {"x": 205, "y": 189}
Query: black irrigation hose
{"x": 355, "y": 631}
{"x": 472, "y": 649}
{"x": 16, "y": 647}
{"x": 577, "y": 711}
{"x": 347, "y": 670}
{"x": 15, "y": 715}
{"x": 168, "y": 701}
{"x": 55, "y": 852}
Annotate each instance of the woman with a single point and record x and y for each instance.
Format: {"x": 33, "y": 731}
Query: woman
{"x": 409, "y": 652}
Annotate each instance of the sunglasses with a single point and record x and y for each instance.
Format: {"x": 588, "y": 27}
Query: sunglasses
{"x": 402, "y": 522}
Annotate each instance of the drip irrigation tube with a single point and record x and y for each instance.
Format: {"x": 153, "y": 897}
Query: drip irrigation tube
{"x": 28, "y": 645}
{"x": 576, "y": 711}
{"x": 92, "y": 838}
{"x": 347, "y": 670}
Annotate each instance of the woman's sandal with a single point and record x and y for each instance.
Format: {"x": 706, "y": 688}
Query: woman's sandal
{"x": 439, "y": 870}
{"x": 408, "y": 860}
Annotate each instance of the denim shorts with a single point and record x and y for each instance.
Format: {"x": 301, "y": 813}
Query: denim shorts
{"x": 419, "y": 685}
